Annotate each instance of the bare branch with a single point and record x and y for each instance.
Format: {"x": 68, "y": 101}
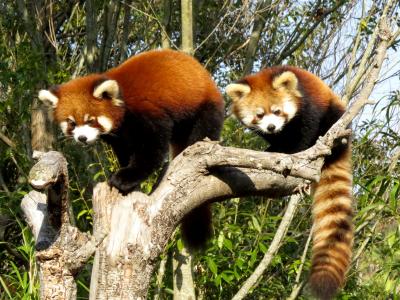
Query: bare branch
{"x": 276, "y": 243}
{"x": 260, "y": 17}
{"x": 6, "y": 140}
{"x": 290, "y": 47}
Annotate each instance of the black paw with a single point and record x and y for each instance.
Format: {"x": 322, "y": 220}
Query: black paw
{"x": 124, "y": 185}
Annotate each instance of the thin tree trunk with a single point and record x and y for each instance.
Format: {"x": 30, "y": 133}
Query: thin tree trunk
{"x": 183, "y": 275}
{"x": 91, "y": 51}
{"x": 182, "y": 260}
{"x": 165, "y": 30}
{"x": 260, "y": 17}
{"x": 187, "y": 26}
{"x": 125, "y": 33}
{"x": 41, "y": 126}
{"x": 111, "y": 16}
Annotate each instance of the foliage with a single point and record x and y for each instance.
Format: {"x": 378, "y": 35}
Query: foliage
{"x": 50, "y": 46}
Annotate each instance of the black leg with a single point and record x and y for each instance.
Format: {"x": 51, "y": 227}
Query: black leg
{"x": 197, "y": 225}
{"x": 140, "y": 151}
{"x": 142, "y": 163}
{"x": 208, "y": 123}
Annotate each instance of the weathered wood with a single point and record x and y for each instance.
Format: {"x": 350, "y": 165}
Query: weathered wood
{"x": 62, "y": 250}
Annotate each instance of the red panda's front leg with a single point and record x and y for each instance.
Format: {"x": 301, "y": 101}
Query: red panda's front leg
{"x": 140, "y": 151}
{"x": 141, "y": 165}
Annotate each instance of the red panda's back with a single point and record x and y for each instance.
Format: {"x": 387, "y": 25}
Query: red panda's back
{"x": 165, "y": 80}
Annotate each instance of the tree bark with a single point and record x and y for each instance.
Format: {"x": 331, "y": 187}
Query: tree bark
{"x": 166, "y": 19}
{"x": 61, "y": 248}
{"x": 137, "y": 227}
{"x": 182, "y": 263}
{"x": 183, "y": 282}
{"x": 187, "y": 26}
{"x": 111, "y": 16}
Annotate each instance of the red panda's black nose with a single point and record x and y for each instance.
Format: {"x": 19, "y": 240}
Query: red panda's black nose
{"x": 271, "y": 127}
{"x": 82, "y": 138}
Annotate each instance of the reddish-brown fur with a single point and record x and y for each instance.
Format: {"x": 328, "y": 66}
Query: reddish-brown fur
{"x": 166, "y": 97}
{"x": 157, "y": 82}
{"x": 151, "y": 83}
{"x": 317, "y": 109}
{"x": 76, "y": 99}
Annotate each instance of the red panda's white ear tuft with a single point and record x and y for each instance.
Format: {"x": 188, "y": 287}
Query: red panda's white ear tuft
{"x": 288, "y": 81}
{"x": 237, "y": 91}
{"x": 108, "y": 87}
{"x": 48, "y": 97}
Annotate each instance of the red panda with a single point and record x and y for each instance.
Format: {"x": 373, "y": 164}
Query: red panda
{"x": 154, "y": 100}
{"x": 290, "y": 108}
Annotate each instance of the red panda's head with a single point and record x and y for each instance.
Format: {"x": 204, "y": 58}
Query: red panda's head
{"x": 265, "y": 101}
{"x": 86, "y": 107}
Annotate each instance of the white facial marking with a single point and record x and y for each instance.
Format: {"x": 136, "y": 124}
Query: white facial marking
{"x": 289, "y": 108}
{"x": 271, "y": 123}
{"x": 106, "y": 123}
{"x": 247, "y": 117}
{"x": 71, "y": 118}
{"x": 86, "y": 117}
{"x": 85, "y": 134}
{"x": 64, "y": 127}
{"x": 260, "y": 110}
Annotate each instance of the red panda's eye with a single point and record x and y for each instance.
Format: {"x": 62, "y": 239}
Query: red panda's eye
{"x": 277, "y": 112}
{"x": 260, "y": 115}
{"x": 71, "y": 122}
{"x": 91, "y": 122}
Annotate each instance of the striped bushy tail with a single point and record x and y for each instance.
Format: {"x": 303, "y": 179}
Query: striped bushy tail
{"x": 333, "y": 228}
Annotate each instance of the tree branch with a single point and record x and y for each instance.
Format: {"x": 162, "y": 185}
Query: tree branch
{"x": 62, "y": 249}
{"x": 276, "y": 243}
{"x": 7, "y": 141}
{"x": 290, "y": 48}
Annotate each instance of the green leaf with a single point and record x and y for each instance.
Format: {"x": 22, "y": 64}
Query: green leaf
{"x": 98, "y": 174}
{"x": 239, "y": 263}
{"x": 227, "y": 277}
{"x": 81, "y": 213}
{"x": 262, "y": 247}
{"x": 228, "y": 244}
{"x": 217, "y": 280}
{"x": 391, "y": 239}
{"x": 212, "y": 265}
{"x": 394, "y": 196}
{"x": 179, "y": 244}
{"x": 253, "y": 257}
{"x": 220, "y": 240}
{"x": 256, "y": 224}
